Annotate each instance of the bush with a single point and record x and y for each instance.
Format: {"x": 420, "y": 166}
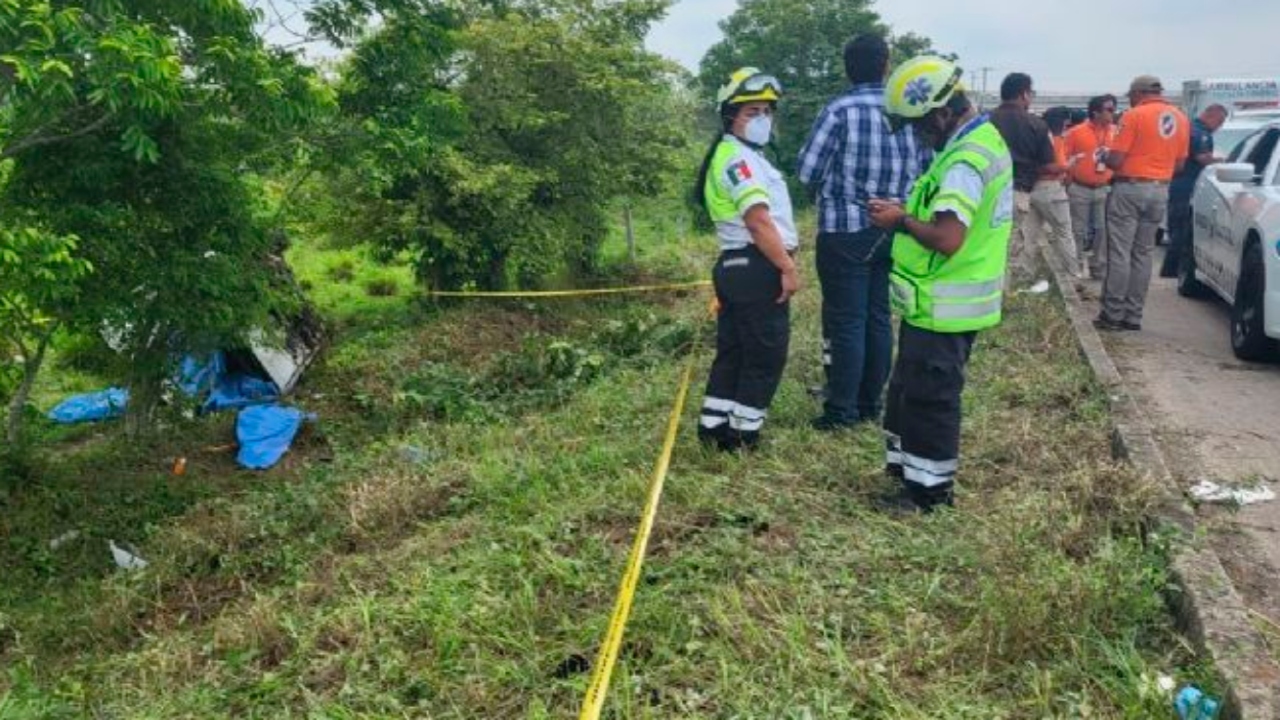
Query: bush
{"x": 381, "y": 287}
{"x": 343, "y": 271}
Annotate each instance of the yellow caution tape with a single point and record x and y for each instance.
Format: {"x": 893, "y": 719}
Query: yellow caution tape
{"x": 603, "y": 670}
{"x": 570, "y": 293}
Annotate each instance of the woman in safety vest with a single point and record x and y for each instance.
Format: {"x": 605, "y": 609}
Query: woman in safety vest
{"x": 755, "y": 276}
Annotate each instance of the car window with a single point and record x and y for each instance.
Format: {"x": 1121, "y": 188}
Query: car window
{"x": 1260, "y": 155}
{"x": 1243, "y": 148}
{"x": 1227, "y": 141}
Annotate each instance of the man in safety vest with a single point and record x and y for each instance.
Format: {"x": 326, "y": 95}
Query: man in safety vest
{"x": 950, "y": 253}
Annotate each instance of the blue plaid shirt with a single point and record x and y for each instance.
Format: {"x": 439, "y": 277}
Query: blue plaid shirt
{"x": 852, "y": 156}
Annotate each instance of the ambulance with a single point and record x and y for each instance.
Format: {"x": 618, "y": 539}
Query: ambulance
{"x": 1251, "y": 104}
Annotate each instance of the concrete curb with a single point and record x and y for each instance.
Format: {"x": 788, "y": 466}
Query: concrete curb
{"x": 1207, "y": 606}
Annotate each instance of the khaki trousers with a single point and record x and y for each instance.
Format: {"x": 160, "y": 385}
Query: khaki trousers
{"x": 1134, "y": 214}
{"x": 1089, "y": 222}
{"x": 1050, "y": 208}
{"x": 1023, "y": 265}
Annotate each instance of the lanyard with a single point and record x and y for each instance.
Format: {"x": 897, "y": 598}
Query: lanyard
{"x": 1103, "y": 138}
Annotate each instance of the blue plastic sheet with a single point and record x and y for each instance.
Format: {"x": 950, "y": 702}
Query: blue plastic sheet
{"x": 265, "y": 433}
{"x": 237, "y": 391}
{"x": 91, "y": 407}
{"x": 196, "y": 378}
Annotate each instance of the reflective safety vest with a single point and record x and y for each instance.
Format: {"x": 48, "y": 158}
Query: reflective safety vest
{"x": 961, "y": 293}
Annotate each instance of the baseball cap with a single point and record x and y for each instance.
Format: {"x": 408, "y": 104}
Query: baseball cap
{"x": 1146, "y": 84}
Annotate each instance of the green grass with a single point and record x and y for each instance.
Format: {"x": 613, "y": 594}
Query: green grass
{"x": 348, "y": 286}
{"x": 457, "y": 556}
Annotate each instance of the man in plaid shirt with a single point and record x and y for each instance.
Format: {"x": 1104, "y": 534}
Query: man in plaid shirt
{"x": 852, "y": 156}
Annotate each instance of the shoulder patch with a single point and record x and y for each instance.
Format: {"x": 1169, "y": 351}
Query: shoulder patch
{"x": 738, "y": 172}
{"x": 1168, "y": 124}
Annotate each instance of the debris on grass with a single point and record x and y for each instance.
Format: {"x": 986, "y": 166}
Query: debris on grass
{"x": 126, "y": 560}
{"x": 1208, "y": 491}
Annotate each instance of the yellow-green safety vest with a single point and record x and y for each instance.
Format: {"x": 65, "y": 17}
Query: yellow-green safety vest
{"x": 961, "y": 293}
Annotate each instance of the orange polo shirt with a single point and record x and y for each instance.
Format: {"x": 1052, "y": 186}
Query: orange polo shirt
{"x": 1154, "y": 136}
{"x": 1059, "y": 149}
{"x": 1085, "y": 139}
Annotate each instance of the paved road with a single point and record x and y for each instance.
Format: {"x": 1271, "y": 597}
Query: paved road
{"x": 1216, "y": 418}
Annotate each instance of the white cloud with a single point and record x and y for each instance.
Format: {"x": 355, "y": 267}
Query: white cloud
{"x": 1080, "y": 46}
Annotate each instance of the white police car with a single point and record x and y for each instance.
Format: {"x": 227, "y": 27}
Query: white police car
{"x": 1236, "y": 241}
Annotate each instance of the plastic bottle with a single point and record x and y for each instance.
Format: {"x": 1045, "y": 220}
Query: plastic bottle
{"x": 1192, "y": 704}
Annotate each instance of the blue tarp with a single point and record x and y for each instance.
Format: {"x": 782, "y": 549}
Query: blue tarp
{"x": 101, "y": 405}
{"x": 265, "y": 433}
{"x": 194, "y": 378}
{"x": 225, "y": 391}
{"x": 237, "y": 391}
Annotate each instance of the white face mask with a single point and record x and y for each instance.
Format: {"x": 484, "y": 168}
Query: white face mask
{"x": 759, "y": 130}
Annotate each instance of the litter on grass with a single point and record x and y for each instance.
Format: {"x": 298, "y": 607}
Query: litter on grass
{"x": 125, "y": 559}
{"x": 1039, "y": 288}
{"x": 1211, "y": 492}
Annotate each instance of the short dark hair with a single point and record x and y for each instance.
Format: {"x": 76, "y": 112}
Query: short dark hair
{"x": 1057, "y": 118}
{"x": 865, "y": 58}
{"x": 1014, "y": 85}
{"x": 1096, "y": 103}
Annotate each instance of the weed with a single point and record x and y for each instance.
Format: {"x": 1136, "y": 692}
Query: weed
{"x": 343, "y": 271}
{"x": 479, "y": 583}
{"x": 382, "y": 287}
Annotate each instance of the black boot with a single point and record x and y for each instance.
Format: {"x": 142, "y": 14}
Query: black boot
{"x": 930, "y": 499}
{"x": 713, "y": 436}
{"x": 738, "y": 440}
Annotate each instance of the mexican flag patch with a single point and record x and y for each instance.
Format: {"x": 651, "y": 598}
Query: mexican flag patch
{"x": 739, "y": 172}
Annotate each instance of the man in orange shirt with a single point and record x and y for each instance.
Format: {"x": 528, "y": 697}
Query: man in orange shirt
{"x": 1151, "y": 146}
{"x": 1088, "y": 143}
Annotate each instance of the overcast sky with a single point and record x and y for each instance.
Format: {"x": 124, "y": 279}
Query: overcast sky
{"x": 1081, "y": 46}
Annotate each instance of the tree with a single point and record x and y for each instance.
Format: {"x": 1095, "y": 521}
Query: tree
{"x": 38, "y": 276}
{"x": 802, "y": 43}
{"x": 540, "y": 114}
{"x": 133, "y": 126}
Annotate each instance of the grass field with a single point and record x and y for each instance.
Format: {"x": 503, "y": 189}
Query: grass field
{"x": 446, "y": 542}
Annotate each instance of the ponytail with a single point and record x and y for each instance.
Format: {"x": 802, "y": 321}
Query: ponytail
{"x": 700, "y": 189}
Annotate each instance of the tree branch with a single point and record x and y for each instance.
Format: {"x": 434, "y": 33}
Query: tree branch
{"x": 37, "y": 140}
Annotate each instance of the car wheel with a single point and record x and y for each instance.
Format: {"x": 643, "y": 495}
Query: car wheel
{"x": 1249, "y": 340}
{"x": 1188, "y": 285}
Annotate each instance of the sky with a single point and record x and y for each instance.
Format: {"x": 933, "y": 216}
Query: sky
{"x": 1067, "y": 46}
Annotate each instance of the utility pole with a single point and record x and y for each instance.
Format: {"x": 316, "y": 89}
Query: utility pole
{"x": 985, "y": 70}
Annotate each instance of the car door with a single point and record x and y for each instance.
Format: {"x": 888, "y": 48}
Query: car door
{"x": 1244, "y": 203}
{"x": 1211, "y": 235}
